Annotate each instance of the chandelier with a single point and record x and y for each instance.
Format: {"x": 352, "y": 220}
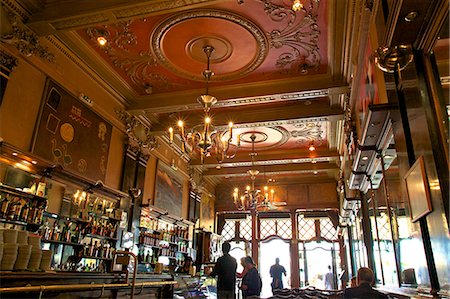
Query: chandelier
{"x": 251, "y": 198}
{"x": 205, "y": 137}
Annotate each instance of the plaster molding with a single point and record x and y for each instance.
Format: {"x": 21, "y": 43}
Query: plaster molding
{"x": 8, "y": 62}
{"x": 258, "y": 34}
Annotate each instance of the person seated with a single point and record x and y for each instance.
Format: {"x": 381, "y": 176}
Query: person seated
{"x": 185, "y": 267}
{"x": 353, "y": 282}
{"x": 364, "y": 280}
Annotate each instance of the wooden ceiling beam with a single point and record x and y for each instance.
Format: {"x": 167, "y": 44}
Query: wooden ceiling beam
{"x": 263, "y": 115}
{"x": 290, "y": 156}
{"x": 286, "y": 168}
{"x": 75, "y": 14}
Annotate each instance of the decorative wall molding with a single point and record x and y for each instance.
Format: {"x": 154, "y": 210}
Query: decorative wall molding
{"x": 270, "y": 162}
{"x": 140, "y": 139}
{"x": 25, "y": 40}
{"x": 14, "y": 7}
{"x": 8, "y": 62}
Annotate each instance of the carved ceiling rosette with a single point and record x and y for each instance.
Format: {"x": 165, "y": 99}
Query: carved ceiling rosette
{"x": 223, "y": 45}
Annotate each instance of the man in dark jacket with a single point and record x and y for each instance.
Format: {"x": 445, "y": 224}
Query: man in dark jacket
{"x": 225, "y": 270}
{"x": 364, "y": 289}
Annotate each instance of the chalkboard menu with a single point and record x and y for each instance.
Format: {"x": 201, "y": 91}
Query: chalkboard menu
{"x": 70, "y": 134}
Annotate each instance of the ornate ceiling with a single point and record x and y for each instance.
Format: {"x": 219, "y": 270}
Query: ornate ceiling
{"x": 279, "y": 74}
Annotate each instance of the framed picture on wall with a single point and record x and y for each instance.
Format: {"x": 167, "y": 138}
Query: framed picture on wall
{"x": 418, "y": 190}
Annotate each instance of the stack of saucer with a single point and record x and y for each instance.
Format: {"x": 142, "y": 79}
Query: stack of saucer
{"x": 34, "y": 240}
{"x": 9, "y": 256}
{"x": 35, "y": 259}
{"x": 46, "y": 260}
{"x": 10, "y": 236}
{"x": 22, "y": 237}
{"x": 23, "y": 257}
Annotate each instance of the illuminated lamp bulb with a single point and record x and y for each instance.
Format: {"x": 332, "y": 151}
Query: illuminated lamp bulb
{"x": 180, "y": 123}
{"x": 312, "y": 148}
{"x": 101, "y": 40}
{"x": 207, "y": 120}
{"x": 266, "y": 188}
{"x": 297, "y": 5}
{"x": 247, "y": 188}
{"x": 236, "y": 190}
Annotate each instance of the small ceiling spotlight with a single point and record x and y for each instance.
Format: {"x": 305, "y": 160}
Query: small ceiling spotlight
{"x": 101, "y": 37}
{"x": 312, "y": 147}
{"x": 315, "y": 172}
{"x": 297, "y": 5}
{"x": 411, "y": 16}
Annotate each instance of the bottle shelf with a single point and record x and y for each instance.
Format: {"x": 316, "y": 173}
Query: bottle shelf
{"x": 15, "y": 222}
{"x": 151, "y": 246}
{"x": 100, "y": 237}
{"x": 96, "y": 258}
{"x": 61, "y": 242}
{"x": 14, "y": 191}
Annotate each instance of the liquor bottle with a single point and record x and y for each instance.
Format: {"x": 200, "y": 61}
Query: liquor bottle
{"x": 24, "y": 213}
{"x": 4, "y": 203}
{"x": 56, "y": 231}
{"x": 45, "y": 231}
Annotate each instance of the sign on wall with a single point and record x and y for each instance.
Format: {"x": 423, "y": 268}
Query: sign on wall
{"x": 168, "y": 191}
{"x": 70, "y": 134}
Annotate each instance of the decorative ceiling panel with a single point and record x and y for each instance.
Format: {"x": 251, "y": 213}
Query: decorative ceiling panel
{"x": 257, "y": 40}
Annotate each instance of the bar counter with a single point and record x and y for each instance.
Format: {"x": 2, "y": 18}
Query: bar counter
{"x": 83, "y": 284}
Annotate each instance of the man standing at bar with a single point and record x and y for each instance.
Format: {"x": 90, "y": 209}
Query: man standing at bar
{"x": 225, "y": 270}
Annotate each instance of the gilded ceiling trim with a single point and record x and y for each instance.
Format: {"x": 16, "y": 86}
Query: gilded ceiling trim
{"x": 270, "y": 162}
{"x": 25, "y": 40}
{"x": 15, "y": 8}
{"x": 272, "y": 173}
{"x": 300, "y": 36}
{"x": 143, "y": 10}
{"x": 277, "y": 123}
{"x": 81, "y": 21}
{"x": 258, "y": 100}
{"x": 258, "y": 34}
{"x": 7, "y": 62}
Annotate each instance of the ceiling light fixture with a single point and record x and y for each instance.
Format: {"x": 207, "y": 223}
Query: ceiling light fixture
{"x": 312, "y": 147}
{"x": 297, "y": 5}
{"x": 252, "y": 198}
{"x": 205, "y": 137}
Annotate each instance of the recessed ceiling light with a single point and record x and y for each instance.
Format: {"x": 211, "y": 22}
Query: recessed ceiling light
{"x": 315, "y": 172}
{"x": 34, "y": 162}
{"x": 365, "y": 158}
{"x": 375, "y": 123}
{"x": 388, "y": 157}
{"x": 411, "y": 16}
{"x": 312, "y": 148}
{"x": 313, "y": 161}
{"x": 14, "y": 154}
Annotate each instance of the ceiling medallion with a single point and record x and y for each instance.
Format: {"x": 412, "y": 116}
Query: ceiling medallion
{"x": 300, "y": 35}
{"x": 258, "y": 34}
{"x": 305, "y": 132}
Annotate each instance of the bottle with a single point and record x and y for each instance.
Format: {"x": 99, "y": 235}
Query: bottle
{"x": 4, "y": 203}
{"x": 24, "y": 213}
{"x": 56, "y": 231}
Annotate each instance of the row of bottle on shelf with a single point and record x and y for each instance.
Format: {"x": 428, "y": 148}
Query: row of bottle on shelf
{"x": 17, "y": 208}
{"x": 85, "y": 204}
{"x": 98, "y": 249}
{"x": 152, "y": 239}
{"x": 169, "y": 232}
{"x": 74, "y": 232}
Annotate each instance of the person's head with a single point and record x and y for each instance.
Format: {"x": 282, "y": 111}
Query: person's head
{"x": 249, "y": 262}
{"x": 329, "y": 268}
{"x": 365, "y": 275}
{"x": 353, "y": 282}
{"x": 226, "y": 247}
{"x": 188, "y": 261}
{"x": 243, "y": 261}
{"x": 277, "y": 260}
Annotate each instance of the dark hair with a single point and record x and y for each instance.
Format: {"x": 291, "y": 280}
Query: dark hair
{"x": 364, "y": 275}
{"x": 226, "y": 247}
{"x": 249, "y": 260}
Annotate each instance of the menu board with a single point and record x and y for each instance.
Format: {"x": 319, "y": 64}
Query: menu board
{"x": 70, "y": 134}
